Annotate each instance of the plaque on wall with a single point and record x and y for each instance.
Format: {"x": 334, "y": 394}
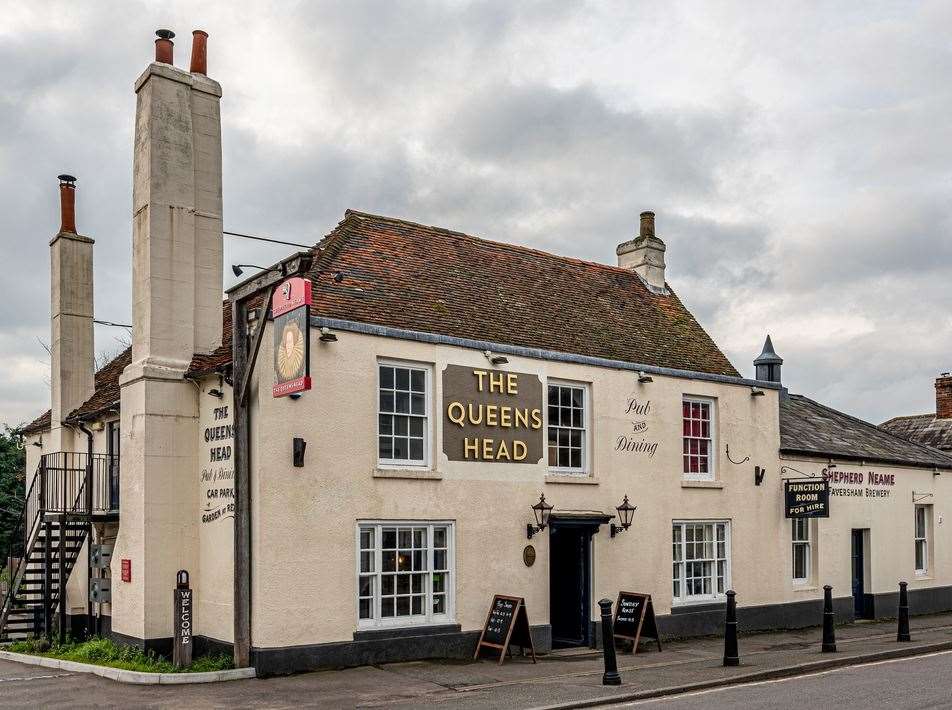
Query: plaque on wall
{"x": 491, "y": 416}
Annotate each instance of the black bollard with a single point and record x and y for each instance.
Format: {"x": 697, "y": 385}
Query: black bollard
{"x": 829, "y": 636}
{"x": 610, "y": 676}
{"x": 730, "y": 631}
{"x": 903, "y": 634}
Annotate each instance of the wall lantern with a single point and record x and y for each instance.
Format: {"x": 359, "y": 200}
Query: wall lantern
{"x": 541, "y": 510}
{"x": 626, "y": 511}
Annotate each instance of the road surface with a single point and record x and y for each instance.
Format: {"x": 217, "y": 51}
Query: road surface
{"x": 918, "y": 682}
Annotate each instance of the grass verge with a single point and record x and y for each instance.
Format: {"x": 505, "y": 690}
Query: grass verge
{"x": 104, "y": 652}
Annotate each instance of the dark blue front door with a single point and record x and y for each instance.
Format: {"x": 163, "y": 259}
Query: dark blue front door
{"x": 569, "y": 581}
{"x": 858, "y": 565}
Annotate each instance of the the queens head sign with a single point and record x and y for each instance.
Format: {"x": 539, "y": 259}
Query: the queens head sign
{"x": 491, "y": 416}
{"x": 291, "y": 309}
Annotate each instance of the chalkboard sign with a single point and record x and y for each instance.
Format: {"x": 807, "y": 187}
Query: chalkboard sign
{"x": 806, "y": 499}
{"x": 634, "y": 618}
{"x": 507, "y": 624}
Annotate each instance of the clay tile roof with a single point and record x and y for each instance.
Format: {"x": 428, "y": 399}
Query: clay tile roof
{"x": 414, "y": 277}
{"x": 923, "y": 429}
{"x": 812, "y": 429}
{"x": 106, "y": 396}
{"x": 41, "y": 423}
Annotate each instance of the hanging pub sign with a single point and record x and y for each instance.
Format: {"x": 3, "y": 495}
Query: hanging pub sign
{"x": 507, "y": 624}
{"x": 806, "y": 499}
{"x": 491, "y": 415}
{"x": 634, "y": 619}
{"x": 291, "y": 309}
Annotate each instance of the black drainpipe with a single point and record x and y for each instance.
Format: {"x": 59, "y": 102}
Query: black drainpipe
{"x": 89, "y": 527}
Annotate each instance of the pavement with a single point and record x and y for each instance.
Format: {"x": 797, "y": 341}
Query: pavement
{"x": 559, "y": 680}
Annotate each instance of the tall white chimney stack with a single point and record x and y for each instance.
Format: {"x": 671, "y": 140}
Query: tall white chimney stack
{"x": 71, "y": 318}
{"x": 177, "y": 312}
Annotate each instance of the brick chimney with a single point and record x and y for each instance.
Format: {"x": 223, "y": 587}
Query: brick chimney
{"x": 645, "y": 255}
{"x": 177, "y": 312}
{"x": 71, "y": 318}
{"x": 943, "y": 396}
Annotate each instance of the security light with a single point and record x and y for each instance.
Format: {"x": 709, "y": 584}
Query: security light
{"x": 216, "y": 393}
{"x": 327, "y": 336}
{"x": 495, "y": 359}
{"x": 756, "y": 392}
{"x": 644, "y": 377}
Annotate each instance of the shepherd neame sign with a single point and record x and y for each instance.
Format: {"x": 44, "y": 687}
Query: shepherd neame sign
{"x": 491, "y": 416}
{"x": 806, "y": 499}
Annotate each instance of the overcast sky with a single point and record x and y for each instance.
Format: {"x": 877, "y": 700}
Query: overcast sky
{"x": 798, "y": 156}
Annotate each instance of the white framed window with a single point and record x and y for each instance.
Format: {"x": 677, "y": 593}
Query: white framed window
{"x": 923, "y": 523}
{"x": 802, "y": 550}
{"x": 403, "y": 414}
{"x": 568, "y": 415}
{"x": 701, "y": 557}
{"x": 697, "y": 435}
{"x": 405, "y": 573}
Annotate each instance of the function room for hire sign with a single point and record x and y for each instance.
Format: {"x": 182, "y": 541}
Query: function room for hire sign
{"x": 291, "y": 310}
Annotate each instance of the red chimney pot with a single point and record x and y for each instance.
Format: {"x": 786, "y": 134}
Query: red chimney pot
{"x": 67, "y": 204}
{"x": 163, "y": 46}
{"x": 199, "y": 52}
{"x": 943, "y": 396}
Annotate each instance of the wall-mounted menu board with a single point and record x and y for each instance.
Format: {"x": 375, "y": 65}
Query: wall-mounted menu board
{"x": 634, "y": 618}
{"x": 507, "y": 624}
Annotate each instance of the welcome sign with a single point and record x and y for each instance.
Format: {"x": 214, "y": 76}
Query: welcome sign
{"x": 491, "y": 416}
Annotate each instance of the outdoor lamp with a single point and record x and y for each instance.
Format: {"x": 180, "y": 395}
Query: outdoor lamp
{"x": 541, "y": 510}
{"x": 626, "y": 511}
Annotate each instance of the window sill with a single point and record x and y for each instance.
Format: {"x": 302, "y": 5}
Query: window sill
{"x": 579, "y": 478}
{"x": 925, "y": 577}
{"x": 413, "y": 473}
{"x": 374, "y": 633}
{"x": 798, "y": 587}
{"x": 686, "y": 483}
{"x": 696, "y": 607}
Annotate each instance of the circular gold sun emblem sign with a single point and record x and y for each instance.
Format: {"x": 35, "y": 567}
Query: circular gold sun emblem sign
{"x": 291, "y": 352}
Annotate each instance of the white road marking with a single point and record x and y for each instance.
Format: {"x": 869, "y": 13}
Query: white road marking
{"x": 722, "y": 688}
{"x": 35, "y": 677}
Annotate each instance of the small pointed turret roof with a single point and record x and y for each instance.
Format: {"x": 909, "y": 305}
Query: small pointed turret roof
{"x": 768, "y": 356}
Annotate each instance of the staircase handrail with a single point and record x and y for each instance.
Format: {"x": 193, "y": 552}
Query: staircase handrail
{"x": 24, "y": 534}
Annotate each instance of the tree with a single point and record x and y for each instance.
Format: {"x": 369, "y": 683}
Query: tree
{"x": 12, "y": 477}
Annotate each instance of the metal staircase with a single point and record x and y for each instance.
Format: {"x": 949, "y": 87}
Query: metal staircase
{"x": 67, "y": 493}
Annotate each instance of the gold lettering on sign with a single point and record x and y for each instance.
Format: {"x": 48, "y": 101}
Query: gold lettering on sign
{"x": 498, "y": 423}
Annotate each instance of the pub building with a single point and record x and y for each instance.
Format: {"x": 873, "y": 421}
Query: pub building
{"x": 429, "y": 419}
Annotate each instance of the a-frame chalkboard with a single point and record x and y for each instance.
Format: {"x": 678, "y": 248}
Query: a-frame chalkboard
{"x": 507, "y": 624}
{"x": 634, "y": 618}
